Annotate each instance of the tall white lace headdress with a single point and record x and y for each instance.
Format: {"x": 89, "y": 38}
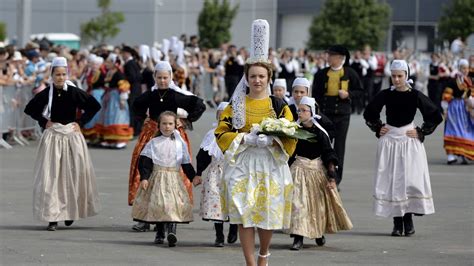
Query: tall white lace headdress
{"x": 259, "y": 40}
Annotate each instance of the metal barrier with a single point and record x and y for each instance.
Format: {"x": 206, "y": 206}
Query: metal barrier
{"x": 13, "y": 100}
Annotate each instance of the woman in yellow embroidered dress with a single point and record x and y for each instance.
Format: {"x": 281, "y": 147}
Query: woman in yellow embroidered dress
{"x": 258, "y": 184}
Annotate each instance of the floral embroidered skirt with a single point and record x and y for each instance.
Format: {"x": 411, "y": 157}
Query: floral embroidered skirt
{"x": 211, "y": 206}
{"x": 258, "y": 190}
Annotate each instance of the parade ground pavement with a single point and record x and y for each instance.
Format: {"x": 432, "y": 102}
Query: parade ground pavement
{"x": 444, "y": 238}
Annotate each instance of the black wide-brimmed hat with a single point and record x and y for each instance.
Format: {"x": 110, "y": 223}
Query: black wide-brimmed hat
{"x": 339, "y": 50}
{"x": 130, "y": 50}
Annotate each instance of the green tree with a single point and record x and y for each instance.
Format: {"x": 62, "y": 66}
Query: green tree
{"x": 457, "y": 20}
{"x": 352, "y": 23}
{"x": 103, "y": 27}
{"x": 214, "y": 22}
{"x": 3, "y": 31}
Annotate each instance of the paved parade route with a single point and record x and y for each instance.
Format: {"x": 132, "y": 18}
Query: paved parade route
{"x": 445, "y": 238}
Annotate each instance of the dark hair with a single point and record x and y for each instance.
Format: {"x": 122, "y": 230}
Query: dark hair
{"x": 53, "y": 68}
{"x": 166, "y": 113}
{"x": 267, "y": 66}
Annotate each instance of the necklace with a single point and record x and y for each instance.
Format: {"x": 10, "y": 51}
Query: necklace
{"x": 162, "y": 96}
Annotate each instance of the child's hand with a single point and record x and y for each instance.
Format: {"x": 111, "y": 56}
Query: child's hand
{"x": 144, "y": 184}
{"x": 197, "y": 181}
{"x": 332, "y": 184}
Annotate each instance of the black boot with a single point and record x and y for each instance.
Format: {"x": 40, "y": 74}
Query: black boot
{"x": 233, "y": 233}
{"x": 397, "y": 226}
{"x": 52, "y": 226}
{"x": 297, "y": 242}
{"x": 408, "y": 224}
{"x": 160, "y": 233}
{"x": 321, "y": 241}
{"x": 219, "y": 235}
{"x": 68, "y": 223}
{"x": 172, "y": 239}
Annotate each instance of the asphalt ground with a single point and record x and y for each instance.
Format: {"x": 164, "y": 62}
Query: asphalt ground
{"x": 444, "y": 238}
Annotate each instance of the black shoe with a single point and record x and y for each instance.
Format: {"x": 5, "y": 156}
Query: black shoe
{"x": 297, "y": 243}
{"x": 52, "y": 226}
{"x": 141, "y": 227}
{"x": 219, "y": 227}
{"x": 172, "y": 239}
{"x": 397, "y": 226}
{"x": 464, "y": 161}
{"x": 408, "y": 224}
{"x": 321, "y": 241}
{"x": 233, "y": 233}
{"x": 160, "y": 233}
{"x": 452, "y": 161}
{"x": 68, "y": 223}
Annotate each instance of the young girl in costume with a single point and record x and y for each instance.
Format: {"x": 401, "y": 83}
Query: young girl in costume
{"x": 459, "y": 130}
{"x": 317, "y": 207}
{"x": 402, "y": 182}
{"x": 162, "y": 196}
{"x": 210, "y": 157}
{"x": 64, "y": 184}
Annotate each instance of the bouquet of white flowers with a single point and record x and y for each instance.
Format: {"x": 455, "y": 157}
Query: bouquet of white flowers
{"x": 282, "y": 127}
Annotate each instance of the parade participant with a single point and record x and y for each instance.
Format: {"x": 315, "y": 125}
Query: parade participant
{"x": 210, "y": 157}
{"x": 289, "y": 67}
{"x": 64, "y": 183}
{"x": 300, "y": 88}
{"x": 402, "y": 181}
{"x": 434, "y": 88}
{"x": 279, "y": 89}
{"x": 459, "y": 130}
{"x": 132, "y": 73}
{"x": 114, "y": 120}
{"x": 162, "y": 197}
{"x": 164, "y": 96}
{"x": 317, "y": 207}
{"x": 258, "y": 182}
{"x": 333, "y": 89}
{"x": 95, "y": 87}
{"x": 234, "y": 68}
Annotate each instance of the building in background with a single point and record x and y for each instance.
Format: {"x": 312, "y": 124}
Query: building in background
{"x": 148, "y": 21}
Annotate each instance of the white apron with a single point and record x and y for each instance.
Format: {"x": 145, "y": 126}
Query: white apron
{"x": 402, "y": 181}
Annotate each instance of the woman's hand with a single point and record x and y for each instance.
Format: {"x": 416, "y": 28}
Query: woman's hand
{"x": 197, "y": 181}
{"x": 144, "y": 184}
{"x": 383, "y": 131}
{"x": 76, "y": 127}
{"x": 412, "y": 133}
{"x": 49, "y": 124}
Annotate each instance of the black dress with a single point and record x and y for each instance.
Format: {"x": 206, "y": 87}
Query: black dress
{"x": 401, "y": 109}
{"x": 64, "y": 107}
{"x": 158, "y": 101}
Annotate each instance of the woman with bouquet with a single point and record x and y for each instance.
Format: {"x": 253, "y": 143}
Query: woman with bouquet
{"x": 317, "y": 207}
{"x": 258, "y": 185}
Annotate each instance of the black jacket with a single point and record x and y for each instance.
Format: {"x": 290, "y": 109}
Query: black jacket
{"x": 331, "y": 105}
